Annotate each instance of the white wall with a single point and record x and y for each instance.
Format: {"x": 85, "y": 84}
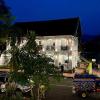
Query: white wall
{"x": 58, "y": 54}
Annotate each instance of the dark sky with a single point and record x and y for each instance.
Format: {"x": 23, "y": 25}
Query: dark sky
{"x": 36, "y": 10}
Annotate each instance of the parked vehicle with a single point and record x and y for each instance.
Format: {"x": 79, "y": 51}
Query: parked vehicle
{"x": 85, "y": 84}
{"x": 4, "y": 80}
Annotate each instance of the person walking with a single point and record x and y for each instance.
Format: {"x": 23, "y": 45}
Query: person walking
{"x": 62, "y": 68}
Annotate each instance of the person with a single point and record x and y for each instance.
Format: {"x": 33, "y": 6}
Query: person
{"x": 89, "y": 68}
{"x": 61, "y": 67}
{"x": 95, "y": 66}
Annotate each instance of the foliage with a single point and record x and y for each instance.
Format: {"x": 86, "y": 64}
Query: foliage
{"x": 6, "y": 21}
{"x": 11, "y": 94}
{"x": 28, "y": 64}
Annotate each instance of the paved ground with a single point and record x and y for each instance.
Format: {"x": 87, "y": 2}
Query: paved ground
{"x": 63, "y": 91}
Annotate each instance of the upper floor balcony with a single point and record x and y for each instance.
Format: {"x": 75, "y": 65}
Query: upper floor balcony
{"x": 52, "y": 48}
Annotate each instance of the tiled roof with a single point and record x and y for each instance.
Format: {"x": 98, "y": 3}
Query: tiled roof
{"x": 52, "y": 27}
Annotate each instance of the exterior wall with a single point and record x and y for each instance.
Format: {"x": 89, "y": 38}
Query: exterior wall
{"x": 62, "y": 49}
{"x": 5, "y": 57}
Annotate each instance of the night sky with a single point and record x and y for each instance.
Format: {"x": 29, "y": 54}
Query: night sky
{"x": 36, "y": 10}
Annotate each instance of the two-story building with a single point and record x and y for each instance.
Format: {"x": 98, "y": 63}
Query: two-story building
{"x": 57, "y": 39}
{"x": 62, "y": 49}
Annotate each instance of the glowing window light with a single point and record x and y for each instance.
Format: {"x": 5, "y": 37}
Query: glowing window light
{"x": 70, "y": 57}
{"x": 43, "y": 50}
{"x": 63, "y": 42}
{"x": 66, "y": 41}
{"x": 70, "y": 41}
{"x": 71, "y": 49}
{"x": 49, "y": 41}
{"x": 93, "y": 60}
{"x": 56, "y": 50}
{"x": 55, "y": 56}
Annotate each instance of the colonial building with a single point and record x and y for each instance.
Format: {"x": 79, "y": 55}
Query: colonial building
{"x": 57, "y": 39}
{"x": 62, "y": 49}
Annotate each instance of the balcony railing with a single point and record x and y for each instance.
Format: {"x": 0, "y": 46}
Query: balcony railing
{"x": 50, "y": 48}
{"x": 64, "y": 48}
{"x": 40, "y": 47}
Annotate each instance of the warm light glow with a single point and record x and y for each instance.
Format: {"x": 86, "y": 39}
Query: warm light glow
{"x": 23, "y": 44}
{"x": 4, "y": 61}
{"x": 49, "y": 42}
{"x": 55, "y": 56}
{"x": 66, "y": 57}
{"x": 54, "y": 44}
{"x": 94, "y": 60}
{"x": 43, "y": 49}
{"x": 71, "y": 49}
{"x": 56, "y": 50}
{"x": 37, "y": 41}
{"x": 70, "y": 57}
{"x": 70, "y": 41}
{"x": 63, "y": 42}
{"x": 96, "y": 72}
{"x": 66, "y": 42}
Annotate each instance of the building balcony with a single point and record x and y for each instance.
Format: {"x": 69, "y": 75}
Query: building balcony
{"x": 50, "y": 48}
{"x": 64, "y": 48}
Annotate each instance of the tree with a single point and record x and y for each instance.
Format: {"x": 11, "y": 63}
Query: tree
{"x": 32, "y": 65}
{"x": 6, "y": 18}
{"x": 6, "y": 25}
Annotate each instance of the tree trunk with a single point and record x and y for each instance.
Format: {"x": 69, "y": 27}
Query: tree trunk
{"x": 38, "y": 90}
{"x": 35, "y": 92}
{"x": 32, "y": 94}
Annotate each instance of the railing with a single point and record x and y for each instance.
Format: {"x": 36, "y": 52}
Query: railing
{"x": 50, "y": 48}
{"x": 64, "y": 48}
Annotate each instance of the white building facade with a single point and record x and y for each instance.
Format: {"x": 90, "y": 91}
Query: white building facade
{"x": 57, "y": 39}
{"x": 62, "y": 49}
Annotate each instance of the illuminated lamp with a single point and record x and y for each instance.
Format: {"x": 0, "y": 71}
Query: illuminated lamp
{"x": 70, "y": 57}
{"x": 93, "y": 60}
{"x": 56, "y": 50}
{"x": 43, "y": 49}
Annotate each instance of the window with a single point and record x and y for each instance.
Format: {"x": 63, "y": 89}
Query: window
{"x": 50, "y": 45}
{"x": 64, "y": 48}
{"x": 64, "y": 45}
{"x": 53, "y": 46}
{"x": 40, "y": 46}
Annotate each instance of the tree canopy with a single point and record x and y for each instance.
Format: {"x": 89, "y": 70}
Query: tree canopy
{"x": 28, "y": 64}
{"x": 6, "y": 20}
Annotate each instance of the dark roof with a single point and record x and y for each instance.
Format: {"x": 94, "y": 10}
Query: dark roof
{"x": 52, "y": 27}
